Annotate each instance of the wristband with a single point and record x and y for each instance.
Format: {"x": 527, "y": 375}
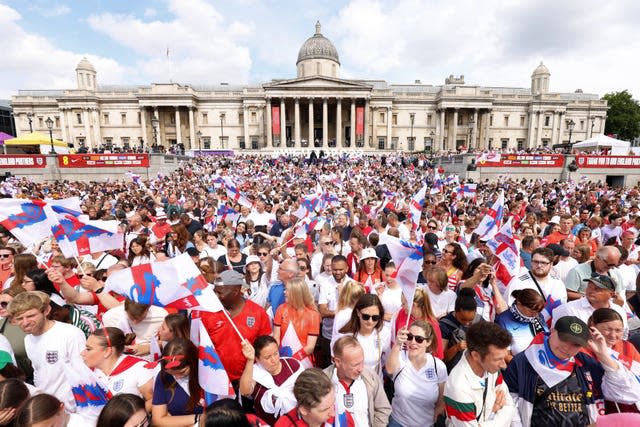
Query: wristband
{"x": 97, "y": 291}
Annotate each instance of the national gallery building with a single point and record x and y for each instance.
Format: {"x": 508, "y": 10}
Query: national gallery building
{"x": 317, "y": 109}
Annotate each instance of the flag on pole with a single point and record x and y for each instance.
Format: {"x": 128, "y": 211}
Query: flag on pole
{"x": 503, "y": 245}
{"x": 175, "y": 283}
{"x": 492, "y": 221}
{"x": 88, "y": 391}
{"x": 467, "y": 190}
{"x": 438, "y": 184}
{"x": 407, "y": 257}
{"x": 415, "y": 207}
{"x": 211, "y": 374}
{"x": 234, "y": 194}
{"x": 78, "y": 235}
{"x": 136, "y": 179}
{"x": 292, "y": 347}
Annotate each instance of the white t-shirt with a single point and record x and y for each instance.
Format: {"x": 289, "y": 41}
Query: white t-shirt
{"x": 443, "y": 303}
{"x": 341, "y": 319}
{"x": 328, "y": 295}
{"x": 103, "y": 262}
{"x": 128, "y": 381}
{"x": 549, "y": 285}
{"x": 416, "y": 391}
{"x": 213, "y": 253}
{"x": 144, "y": 330}
{"x": 62, "y": 343}
{"x": 358, "y": 405}
{"x": 376, "y": 348}
{"x": 263, "y": 218}
{"x": 391, "y": 300}
{"x": 563, "y": 267}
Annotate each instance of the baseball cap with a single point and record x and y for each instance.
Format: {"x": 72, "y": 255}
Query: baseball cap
{"x": 230, "y": 278}
{"x": 571, "y": 328}
{"x": 5, "y": 359}
{"x": 602, "y": 281}
{"x": 558, "y": 250}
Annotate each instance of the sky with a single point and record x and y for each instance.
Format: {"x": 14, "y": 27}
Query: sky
{"x": 586, "y": 44}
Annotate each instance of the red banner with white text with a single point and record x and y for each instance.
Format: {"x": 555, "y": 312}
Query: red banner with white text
{"x": 359, "y": 120}
{"x": 22, "y": 161}
{"x": 128, "y": 160}
{"x": 589, "y": 161}
{"x": 275, "y": 120}
{"x": 499, "y": 160}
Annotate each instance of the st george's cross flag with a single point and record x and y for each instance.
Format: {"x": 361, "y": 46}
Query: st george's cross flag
{"x": 415, "y": 207}
{"x": 292, "y": 347}
{"x": 503, "y": 246}
{"x": 234, "y": 193}
{"x": 492, "y": 221}
{"x": 211, "y": 374}
{"x": 175, "y": 283}
{"x": 27, "y": 220}
{"x": 79, "y": 236}
{"x": 407, "y": 256}
{"x": 89, "y": 393}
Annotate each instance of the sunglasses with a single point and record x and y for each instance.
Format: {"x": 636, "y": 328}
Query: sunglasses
{"x": 5, "y": 255}
{"x": 418, "y": 338}
{"x": 431, "y": 227}
{"x": 431, "y": 262}
{"x": 263, "y": 253}
{"x": 366, "y": 317}
{"x": 302, "y": 267}
{"x": 447, "y": 251}
{"x": 327, "y": 243}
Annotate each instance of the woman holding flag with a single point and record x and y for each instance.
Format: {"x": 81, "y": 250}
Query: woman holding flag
{"x": 300, "y": 312}
{"x": 122, "y": 373}
{"x": 177, "y": 396}
{"x": 269, "y": 378}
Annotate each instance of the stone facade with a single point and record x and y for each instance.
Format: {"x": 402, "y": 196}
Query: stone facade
{"x": 315, "y": 109}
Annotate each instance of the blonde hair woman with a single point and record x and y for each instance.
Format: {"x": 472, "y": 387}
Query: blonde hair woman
{"x": 299, "y": 311}
{"x": 347, "y": 299}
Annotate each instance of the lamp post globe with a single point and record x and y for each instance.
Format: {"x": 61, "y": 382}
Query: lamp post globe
{"x": 49, "y": 124}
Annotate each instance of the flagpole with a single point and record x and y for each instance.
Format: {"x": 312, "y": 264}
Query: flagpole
{"x": 235, "y": 328}
{"x": 79, "y": 265}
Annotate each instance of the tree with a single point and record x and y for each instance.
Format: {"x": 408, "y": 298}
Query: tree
{"x": 623, "y": 117}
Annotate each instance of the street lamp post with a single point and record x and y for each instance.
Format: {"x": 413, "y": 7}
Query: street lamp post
{"x": 412, "y": 117}
{"x": 30, "y": 118}
{"x": 593, "y": 123}
{"x": 154, "y": 126}
{"x": 49, "y": 124}
{"x": 199, "y": 135}
{"x": 570, "y": 125}
{"x": 471, "y": 123}
{"x": 222, "y": 130}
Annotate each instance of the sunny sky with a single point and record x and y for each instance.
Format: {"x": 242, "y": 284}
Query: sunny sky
{"x": 586, "y": 44}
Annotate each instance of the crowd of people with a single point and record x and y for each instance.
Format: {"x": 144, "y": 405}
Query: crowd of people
{"x": 554, "y": 345}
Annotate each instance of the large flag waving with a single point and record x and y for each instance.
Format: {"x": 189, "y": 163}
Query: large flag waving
{"x": 88, "y": 392}
{"x": 503, "y": 245}
{"x": 27, "y": 219}
{"x": 492, "y": 220}
{"x": 407, "y": 257}
{"x": 211, "y": 374}
{"x": 415, "y": 208}
{"x": 175, "y": 283}
{"x": 79, "y": 236}
{"x": 234, "y": 193}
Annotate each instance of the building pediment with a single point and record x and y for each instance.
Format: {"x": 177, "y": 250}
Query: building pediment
{"x": 316, "y": 82}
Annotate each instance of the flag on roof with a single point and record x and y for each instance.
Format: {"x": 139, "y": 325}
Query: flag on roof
{"x": 175, "y": 283}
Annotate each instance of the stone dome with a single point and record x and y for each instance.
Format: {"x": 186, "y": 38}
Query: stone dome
{"x": 541, "y": 70}
{"x": 84, "y": 64}
{"x": 318, "y": 46}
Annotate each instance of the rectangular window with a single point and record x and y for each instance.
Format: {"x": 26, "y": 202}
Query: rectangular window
{"x": 547, "y": 120}
{"x": 126, "y": 142}
{"x": 206, "y": 142}
{"x": 254, "y": 143}
{"x": 506, "y": 121}
{"x": 545, "y": 142}
{"x": 382, "y": 118}
{"x": 521, "y": 121}
{"x": 241, "y": 119}
{"x": 254, "y": 117}
{"x": 504, "y": 143}
{"x": 139, "y": 118}
{"x": 429, "y": 119}
{"x": 491, "y": 120}
{"x": 241, "y": 143}
{"x": 79, "y": 118}
{"x": 394, "y": 119}
{"x": 581, "y": 124}
{"x": 41, "y": 122}
{"x": 105, "y": 119}
{"x": 57, "y": 122}
{"x": 205, "y": 118}
{"x": 123, "y": 119}
{"x": 520, "y": 144}
{"x": 394, "y": 143}
{"x": 381, "y": 143}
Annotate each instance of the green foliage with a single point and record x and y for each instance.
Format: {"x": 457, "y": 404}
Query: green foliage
{"x": 623, "y": 117}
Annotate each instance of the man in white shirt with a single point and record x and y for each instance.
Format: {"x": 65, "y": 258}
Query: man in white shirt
{"x": 49, "y": 344}
{"x": 598, "y": 294}
{"x": 563, "y": 261}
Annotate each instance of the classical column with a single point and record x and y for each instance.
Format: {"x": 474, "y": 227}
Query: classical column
{"x": 178, "y": 130}
{"x": 143, "y": 125}
{"x": 440, "y": 132}
{"x": 192, "y": 130}
{"x": 562, "y": 124}
{"x": 366, "y": 124}
{"x": 311, "y": 136}
{"x": 296, "y": 122}
{"x": 325, "y": 122}
{"x": 63, "y": 127}
{"x": 269, "y": 126}
{"x": 353, "y": 123}
{"x": 554, "y": 131}
{"x": 245, "y": 125}
{"x": 96, "y": 126}
{"x": 539, "y": 129}
{"x": 374, "y": 129}
{"x": 388, "y": 144}
{"x": 454, "y": 130}
{"x": 87, "y": 129}
{"x": 530, "y": 142}
{"x": 283, "y": 123}
{"x": 474, "y": 130}
{"x": 339, "y": 141}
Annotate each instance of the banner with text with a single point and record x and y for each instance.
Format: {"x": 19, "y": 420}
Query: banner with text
{"x": 22, "y": 161}
{"x": 590, "y": 161}
{"x": 491, "y": 160}
{"x": 359, "y": 120}
{"x": 275, "y": 119}
{"x": 128, "y": 160}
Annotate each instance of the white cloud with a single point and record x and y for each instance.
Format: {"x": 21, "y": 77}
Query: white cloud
{"x": 30, "y": 61}
{"x": 203, "y": 46}
{"x": 51, "y": 10}
{"x": 150, "y": 12}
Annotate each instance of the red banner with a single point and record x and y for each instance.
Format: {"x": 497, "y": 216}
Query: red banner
{"x": 490, "y": 160}
{"x": 22, "y": 161}
{"x": 359, "y": 120}
{"x": 128, "y": 160}
{"x": 275, "y": 120}
{"x": 589, "y": 161}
